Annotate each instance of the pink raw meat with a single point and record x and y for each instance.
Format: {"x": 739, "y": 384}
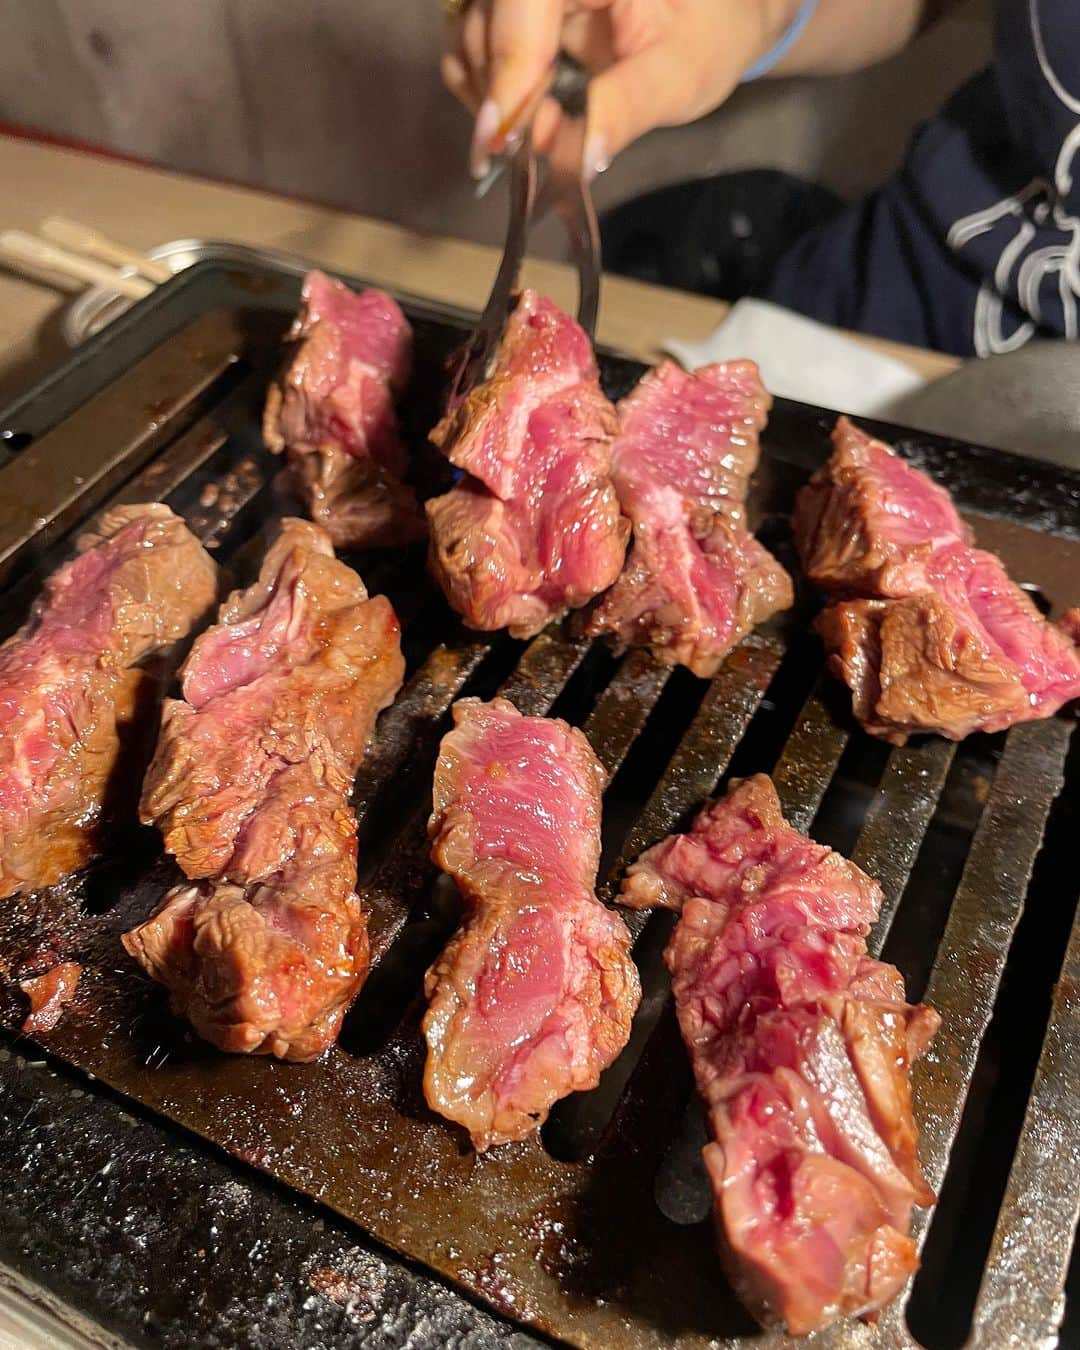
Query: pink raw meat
{"x": 71, "y": 694}
{"x": 534, "y": 996}
{"x": 696, "y": 580}
{"x": 250, "y": 787}
{"x": 801, "y": 1046}
{"x": 939, "y": 638}
{"x": 533, "y": 529}
{"x": 867, "y": 514}
{"x": 332, "y": 411}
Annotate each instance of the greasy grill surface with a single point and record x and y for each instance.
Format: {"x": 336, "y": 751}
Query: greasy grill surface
{"x": 597, "y": 1232}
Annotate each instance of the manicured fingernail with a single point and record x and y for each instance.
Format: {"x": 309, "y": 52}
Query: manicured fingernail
{"x": 595, "y": 159}
{"x": 487, "y": 124}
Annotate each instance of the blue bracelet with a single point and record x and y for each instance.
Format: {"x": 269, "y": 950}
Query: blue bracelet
{"x": 777, "y": 53}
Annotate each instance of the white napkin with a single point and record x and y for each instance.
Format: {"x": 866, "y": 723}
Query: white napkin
{"x": 802, "y": 359}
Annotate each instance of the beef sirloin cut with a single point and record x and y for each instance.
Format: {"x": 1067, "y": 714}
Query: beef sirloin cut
{"x": 696, "y": 580}
{"x": 267, "y": 946}
{"x": 72, "y": 697}
{"x": 868, "y": 520}
{"x": 332, "y": 411}
{"x": 533, "y": 528}
{"x": 801, "y": 1046}
{"x": 535, "y": 994}
{"x": 929, "y": 632}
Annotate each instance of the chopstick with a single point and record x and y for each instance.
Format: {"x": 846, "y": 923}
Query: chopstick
{"x": 79, "y": 238}
{"x": 21, "y": 251}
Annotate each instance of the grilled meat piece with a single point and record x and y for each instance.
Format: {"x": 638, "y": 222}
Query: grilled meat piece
{"x": 250, "y": 787}
{"x": 534, "y": 996}
{"x": 533, "y": 528}
{"x": 912, "y": 665}
{"x": 867, "y": 520}
{"x": 72, "y": 699}
{"x": 932, "y": 635}
{"x": 696, "y": 580}
{"x": 356, "y": 507}
{"x": 332, "y": 411}
{"x": 801, "y": 1046}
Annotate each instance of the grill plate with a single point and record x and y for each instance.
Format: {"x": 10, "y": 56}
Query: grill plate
{"x": 594, "y": 1233}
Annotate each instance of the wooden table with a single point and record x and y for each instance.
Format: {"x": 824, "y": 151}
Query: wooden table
{"x": 143, "y": 206}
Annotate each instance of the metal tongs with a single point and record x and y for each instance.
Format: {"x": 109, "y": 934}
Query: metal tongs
{"x": 566, "y": 190}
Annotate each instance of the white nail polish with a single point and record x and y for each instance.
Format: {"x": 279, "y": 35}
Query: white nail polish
{"x": 487, "y": 124}
{"x": 595, "y": 159}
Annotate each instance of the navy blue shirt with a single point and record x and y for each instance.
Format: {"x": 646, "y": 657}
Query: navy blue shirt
{"x": 974, "y": 246}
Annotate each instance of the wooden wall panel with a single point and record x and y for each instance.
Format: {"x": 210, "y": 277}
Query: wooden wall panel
{"x": 348, "y": 102}
{"x": 164, "y": 78}
{"x": 42, "y": 81}
{"x": 340, "y": 101}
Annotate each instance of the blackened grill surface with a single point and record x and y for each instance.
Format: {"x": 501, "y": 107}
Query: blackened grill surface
{"x": 592, "y": 1233}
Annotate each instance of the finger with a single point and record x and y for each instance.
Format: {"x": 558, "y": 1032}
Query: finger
{"x": 456, "y": 79}
{"x": 646, "y": 90}
{"x": 636, "y": 26}
{"x": 474, "y": 46}
{"x": 474, "y": 51}
{"x": 523, "y": 41}
{"x": 546, "y": 125}
{"x": 464, "y": 60}
{"x": 588, "y": 38}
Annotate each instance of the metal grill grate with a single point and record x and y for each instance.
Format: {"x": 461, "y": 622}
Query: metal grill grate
{"x": 596, "y": 1232}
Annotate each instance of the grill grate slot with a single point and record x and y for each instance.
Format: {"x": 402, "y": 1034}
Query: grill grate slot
{"x": 409, "y": 729}
{"x": 923, "y": 911}
{"x": 1029, "y": 1258}
{"x": 703, "y": 752}
{"x": 810, "y": 760}
{"x": 178, "y": 463}
{"x": 896, "y": 823}
{"x": 624, "y": 707}
{"x": 987, "y": 906}
{"x": 595, "y": 1234}
{"x": 702, "y": 755}
{"x": 777, "y": 715}
{"x": 959, "y": 1238}
{"x": 546, "y": 665}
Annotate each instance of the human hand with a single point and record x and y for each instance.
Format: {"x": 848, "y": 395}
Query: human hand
{"x": 654, "y": 63}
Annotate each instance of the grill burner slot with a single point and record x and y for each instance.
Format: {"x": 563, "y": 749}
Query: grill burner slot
{"x": 595, "y": 1233}
{"x": 993, "y": 1118}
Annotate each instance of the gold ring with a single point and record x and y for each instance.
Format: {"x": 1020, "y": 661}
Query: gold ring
{"x": 454, "y": 9}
